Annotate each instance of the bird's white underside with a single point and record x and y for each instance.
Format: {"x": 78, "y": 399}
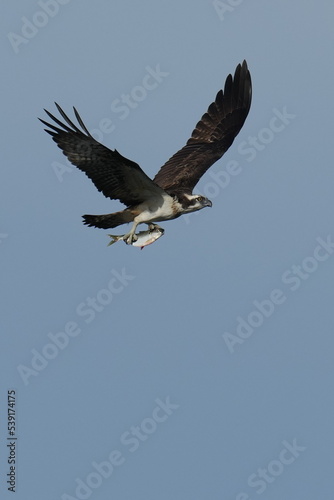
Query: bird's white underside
{"x": 157, "y": 209}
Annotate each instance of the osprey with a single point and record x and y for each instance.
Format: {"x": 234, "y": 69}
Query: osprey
{"x": 170, "y": 193}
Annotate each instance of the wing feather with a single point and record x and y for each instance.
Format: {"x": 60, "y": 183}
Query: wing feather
{"x": 212, "y": 136}
{"x": 113, "y": 174}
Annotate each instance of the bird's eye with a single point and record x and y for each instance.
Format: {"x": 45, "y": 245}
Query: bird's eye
{"x": 200, "y": 198}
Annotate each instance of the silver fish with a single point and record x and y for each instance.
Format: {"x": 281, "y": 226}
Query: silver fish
{"x": 144, "y": 238}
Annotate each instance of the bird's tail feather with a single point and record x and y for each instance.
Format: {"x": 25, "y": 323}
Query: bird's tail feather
{"x": 109, "y": 220}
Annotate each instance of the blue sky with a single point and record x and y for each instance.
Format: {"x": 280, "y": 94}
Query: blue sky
{"x": 202, "y": 366}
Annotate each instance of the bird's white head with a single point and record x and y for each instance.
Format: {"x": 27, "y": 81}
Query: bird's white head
{"x": 196, "y": 202}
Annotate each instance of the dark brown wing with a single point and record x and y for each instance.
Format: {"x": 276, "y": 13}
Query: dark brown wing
{"x": 115, "y": 176}
{"x": 212, "y": 137}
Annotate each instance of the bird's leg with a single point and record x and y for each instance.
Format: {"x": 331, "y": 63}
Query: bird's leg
{"x": 130, "y": 237}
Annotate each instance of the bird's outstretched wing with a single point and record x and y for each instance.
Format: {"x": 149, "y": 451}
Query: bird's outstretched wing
{"x": 115, "y": 176}
{"x": 212, "y": 137}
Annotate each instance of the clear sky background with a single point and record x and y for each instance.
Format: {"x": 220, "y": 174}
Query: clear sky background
{"x": 202, "y": 366}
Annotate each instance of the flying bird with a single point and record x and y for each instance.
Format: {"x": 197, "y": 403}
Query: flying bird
{"x": 170, "y": 194}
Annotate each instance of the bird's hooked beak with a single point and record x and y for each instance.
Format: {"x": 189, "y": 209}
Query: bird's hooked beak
{"x": 208, "y": 203}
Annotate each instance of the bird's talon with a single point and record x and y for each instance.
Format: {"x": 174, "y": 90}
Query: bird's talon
{"x": 153, "y": 227}
{"x": 130, "y": 238}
